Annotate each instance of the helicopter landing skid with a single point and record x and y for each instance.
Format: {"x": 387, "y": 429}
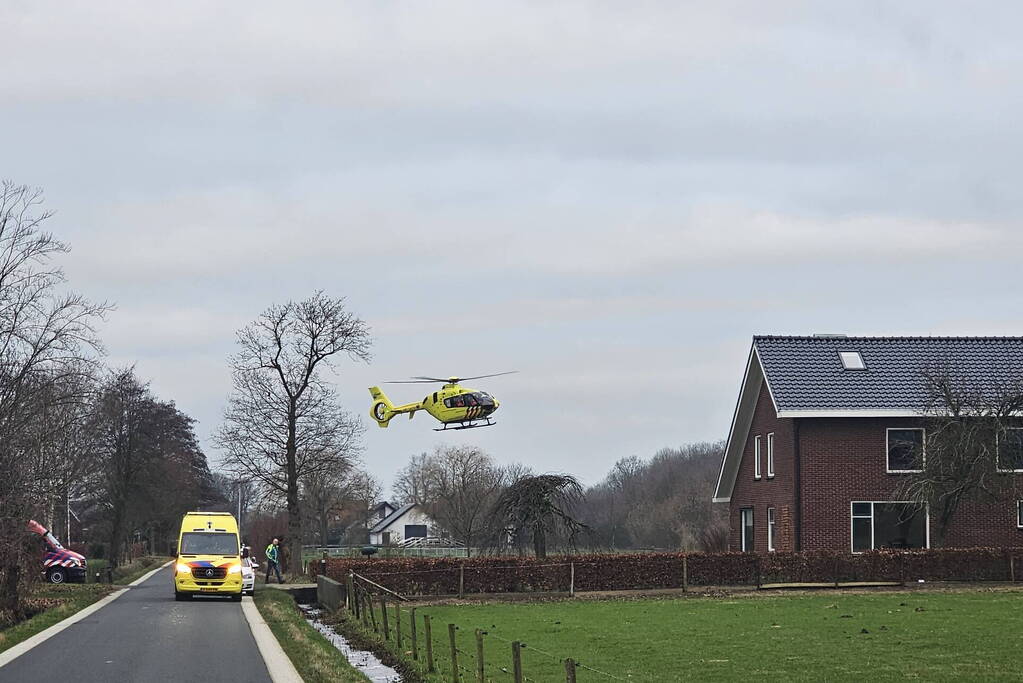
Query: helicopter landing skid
{"x": 471, "y": 425}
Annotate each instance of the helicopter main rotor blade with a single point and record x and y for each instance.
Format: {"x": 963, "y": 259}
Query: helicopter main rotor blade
{"x": 496, "y": 374}
{"x": 432, "y": 379}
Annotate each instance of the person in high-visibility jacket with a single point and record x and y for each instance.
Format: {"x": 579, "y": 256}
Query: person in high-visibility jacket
{"x": 272, "y": 555}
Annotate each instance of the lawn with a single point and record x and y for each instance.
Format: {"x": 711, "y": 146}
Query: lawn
{"x": 824, "y": 637}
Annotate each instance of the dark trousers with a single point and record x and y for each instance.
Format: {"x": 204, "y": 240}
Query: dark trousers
{"x": 272, "y": 565}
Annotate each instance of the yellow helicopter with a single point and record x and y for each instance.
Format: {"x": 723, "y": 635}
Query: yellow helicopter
{"x": 454, "y": 406}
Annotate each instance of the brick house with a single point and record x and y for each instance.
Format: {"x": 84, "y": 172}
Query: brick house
{"x": 824, "y": 427}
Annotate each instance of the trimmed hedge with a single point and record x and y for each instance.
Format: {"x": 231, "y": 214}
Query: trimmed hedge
{"x": 605, "y": 572}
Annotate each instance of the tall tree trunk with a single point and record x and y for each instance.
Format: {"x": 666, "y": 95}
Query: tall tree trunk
{"x": 294, "y": 512}
{"x": 116, "y": 526}
{"x": 10, "y": 598}
{"x": 539, "y": 541}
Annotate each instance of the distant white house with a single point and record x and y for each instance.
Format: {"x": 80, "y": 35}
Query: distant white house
{"x": 407, "y": 522}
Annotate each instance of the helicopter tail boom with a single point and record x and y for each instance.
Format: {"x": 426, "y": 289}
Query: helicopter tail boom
{"x": 382, "y": 409}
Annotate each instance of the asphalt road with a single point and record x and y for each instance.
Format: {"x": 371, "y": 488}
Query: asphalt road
{"x": 146, "y": 635}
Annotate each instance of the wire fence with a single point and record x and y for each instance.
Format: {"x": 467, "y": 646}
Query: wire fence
{"x": 447, "y": 652}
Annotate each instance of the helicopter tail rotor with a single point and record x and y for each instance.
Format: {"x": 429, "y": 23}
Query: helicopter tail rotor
{"x": 382, "y": 409}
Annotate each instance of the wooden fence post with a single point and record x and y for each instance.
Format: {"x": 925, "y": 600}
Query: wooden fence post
{"x": 835, "y": 571}
{"x": 461, "y": 580}
{"x": 479, "y": 657}
{"x": 361, "y": 597}
{"x": 517, "y": 661}
{"x": 372, "y": 612}
{"x": 430, "y": 666}
{"x": 454, "y": 653}
{"x": 397, "y": 624}
{"x": 569, "y": 670}
{"x": 383, "y": 617}
{"x": 352, "y": 605}
{"x": 415, "y": 641}
{"x": 571, "y": 579}
{"x": 685, "y": 584}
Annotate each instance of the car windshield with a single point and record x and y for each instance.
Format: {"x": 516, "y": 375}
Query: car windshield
{"x": 207, "y": 543}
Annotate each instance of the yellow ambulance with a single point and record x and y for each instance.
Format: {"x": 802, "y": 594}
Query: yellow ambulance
{"x": 208, "y": 556}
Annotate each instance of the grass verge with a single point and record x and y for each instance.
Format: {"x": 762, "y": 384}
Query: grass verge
{"x": 57, "y": 603}
{"x": 126, "y": 573}
{"x": 316, "y": 659}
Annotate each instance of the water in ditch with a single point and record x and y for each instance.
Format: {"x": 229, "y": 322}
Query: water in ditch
{"x": 366, "y": 662}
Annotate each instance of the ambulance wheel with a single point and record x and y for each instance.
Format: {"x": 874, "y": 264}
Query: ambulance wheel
{"x": 182, "y": 596}
{"x": 56, "y": 575}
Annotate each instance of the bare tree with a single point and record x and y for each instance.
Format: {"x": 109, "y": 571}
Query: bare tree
{"x": 540, "y": 506}
{"x": 463, "y": 485}
{"x": 412, "y": 482}
{"x": 283, "y": 425}
{"x": 972, "y": 443}
{"x": 45, "y": 333}
{"x": 152, "y": 466}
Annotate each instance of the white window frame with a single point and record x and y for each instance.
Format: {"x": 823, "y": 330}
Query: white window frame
{"x": 859, "y": 356}
{"x": 742, "y": 530}
{"x": 770, "y": 529}
{"x": 887, "y": 449}
{"x": 1019, "y": 514}
{"x": 770, "y": 455}
{"x": 756, "y": 457}
{"x": 852, "y": 539}
{"x": 998, "y": 455}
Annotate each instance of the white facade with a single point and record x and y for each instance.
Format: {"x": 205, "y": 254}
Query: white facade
{"x": 397, "y": 529}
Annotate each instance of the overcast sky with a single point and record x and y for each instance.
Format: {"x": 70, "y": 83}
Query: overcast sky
{"x": 610, "y": 197}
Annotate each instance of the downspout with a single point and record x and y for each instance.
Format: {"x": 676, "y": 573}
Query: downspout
{"x": 798, "y": 485}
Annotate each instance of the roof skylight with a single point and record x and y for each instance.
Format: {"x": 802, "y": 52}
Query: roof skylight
{"x": 852, "y": 360}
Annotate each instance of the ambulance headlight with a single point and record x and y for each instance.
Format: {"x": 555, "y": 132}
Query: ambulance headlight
{"x": 184, "y": 569}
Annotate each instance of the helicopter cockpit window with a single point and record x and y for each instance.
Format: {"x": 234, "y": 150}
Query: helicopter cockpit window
{"x": 485, "y": 399}
{"x": 470, "y": 400}
{"x": 457, "y": 401}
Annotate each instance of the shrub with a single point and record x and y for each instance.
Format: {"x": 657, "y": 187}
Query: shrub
{"x": 600, "y": 572}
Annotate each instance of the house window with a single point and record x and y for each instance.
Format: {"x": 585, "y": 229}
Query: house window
{"x": 770, "y": 529}
{"x": 746, "y": 519}
{"x": 879, "y": 525}
{"x": 770, "y": 455}
{"x": 852, "y": 360}
{"x": 756, "y": 457}
{"x": 1010, "y": 451}
{"x": 415, "y": 531}
{"x": 905, "y": 450}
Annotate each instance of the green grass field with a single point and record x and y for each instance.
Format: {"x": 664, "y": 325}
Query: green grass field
{"x": 972, "y": 635}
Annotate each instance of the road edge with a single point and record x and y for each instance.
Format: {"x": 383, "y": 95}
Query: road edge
{"x": 12, "y": 653}
{"x": 9, "y": 655}
{"x": 277, "y": 662}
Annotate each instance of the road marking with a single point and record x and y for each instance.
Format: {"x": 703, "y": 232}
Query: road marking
{"x": 277, "y": 663}
{"x": 9, "y": 655}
